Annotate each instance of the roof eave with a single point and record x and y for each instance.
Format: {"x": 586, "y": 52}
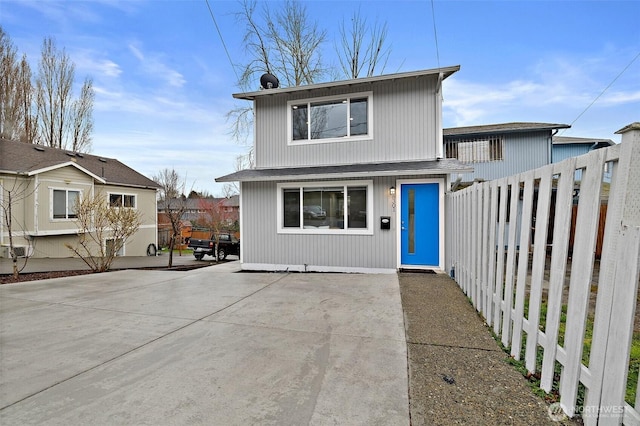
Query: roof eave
{"x": 445, "y": 71}
{"x": 66, "y": 164}
{"x": 238, "y": 177}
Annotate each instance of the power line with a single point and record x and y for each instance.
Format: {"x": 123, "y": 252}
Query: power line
{"x": 605, "y": 89}
{"x": 222, "y": 40}
{"x": 435, "y": 33}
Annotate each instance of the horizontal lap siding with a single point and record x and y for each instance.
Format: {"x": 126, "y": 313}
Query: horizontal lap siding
{"x": 261, "y": 244}
{"x": 404, "y": 127}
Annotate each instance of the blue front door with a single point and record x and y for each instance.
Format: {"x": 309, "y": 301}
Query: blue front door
{"x": 420, "y": 224}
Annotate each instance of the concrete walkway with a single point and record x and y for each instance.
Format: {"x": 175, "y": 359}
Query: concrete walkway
{"x": 208, "y": 346}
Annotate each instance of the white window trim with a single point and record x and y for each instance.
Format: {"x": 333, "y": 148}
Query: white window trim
{"x": 135, "y": 197}
{"x": 59, "y": 219}
{"x": 368, "y": 136}
{"x": 346, "y": 231}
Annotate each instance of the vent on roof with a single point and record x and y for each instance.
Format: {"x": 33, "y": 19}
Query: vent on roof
{"x": 70, "y": 154}
{"x": 104, "y": 160}
{"x": 79, "y": 154}
{"x": 38, "y": 148}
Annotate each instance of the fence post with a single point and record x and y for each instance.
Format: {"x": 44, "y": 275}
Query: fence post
{"x": 623, "y": 251}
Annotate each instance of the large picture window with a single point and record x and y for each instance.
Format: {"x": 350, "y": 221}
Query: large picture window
{"x": 340, "y": 207}
{"x": 330, "y": 119}
{"x": 64, "y": 203}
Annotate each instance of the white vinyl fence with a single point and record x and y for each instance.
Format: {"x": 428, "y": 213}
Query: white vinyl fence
{"x": 508, "y": 247}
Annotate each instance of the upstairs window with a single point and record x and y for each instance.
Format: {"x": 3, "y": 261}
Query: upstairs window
{"x": 122, "y": 200}
{"x": 478, "y": 150}
{"x": 330, "y": 119}
{"x": 64, "y": 203}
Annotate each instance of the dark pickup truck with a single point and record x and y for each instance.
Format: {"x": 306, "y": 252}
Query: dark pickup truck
{"x": 227, "y": 244}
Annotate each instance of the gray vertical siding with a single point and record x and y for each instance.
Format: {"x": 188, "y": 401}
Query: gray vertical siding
{"x": 404, "y": 127}
{"x": 261, "y": 244}
{"x": 522, "y": 152}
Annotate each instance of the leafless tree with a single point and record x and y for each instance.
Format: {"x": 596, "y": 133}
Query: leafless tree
{"x": 102, "y": 231}
{"x": 285, "y": 43}
{"x": 16, "y": 122}
{"x": 362, "y": 47}
{"x": 29, "y": 128}
{"x": 82, "y": 119}
{"x": 63, "y": 122}
{"x": 12, "y": 191}
{"x": 171, "y": 195}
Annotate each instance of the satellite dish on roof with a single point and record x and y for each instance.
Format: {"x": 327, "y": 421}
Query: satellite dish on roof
{"x": 269, "y": 81}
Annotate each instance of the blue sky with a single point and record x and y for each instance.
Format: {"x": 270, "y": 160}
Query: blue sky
{"x": 163, "y": 81}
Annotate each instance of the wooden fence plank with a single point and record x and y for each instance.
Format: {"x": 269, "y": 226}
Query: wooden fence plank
{"x": 538, "y": 265}
{"x": 511, "y": 260}
{"x": 581, "y": 273}
{"x": 484, "y": 248}
{"x": 560, "y": 245}
{"x": 523, "y": 263}
{"x": 621, "y": 326}
{"x": 503, "y": 190}
{"x": 491, "y": 249}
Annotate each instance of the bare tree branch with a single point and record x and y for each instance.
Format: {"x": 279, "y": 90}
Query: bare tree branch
{"x": 102, "y": 231}
{"x": 355, "y": 55}
{"x": 12, "y": 193}
{"x": 172, "y": 189}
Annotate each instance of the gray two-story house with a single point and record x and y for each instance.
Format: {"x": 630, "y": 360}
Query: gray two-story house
{"x": 349, "y": 176}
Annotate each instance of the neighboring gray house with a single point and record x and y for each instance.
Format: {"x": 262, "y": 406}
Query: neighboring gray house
{"x": 499, "y": 150}
{"x": 349, "y": 176}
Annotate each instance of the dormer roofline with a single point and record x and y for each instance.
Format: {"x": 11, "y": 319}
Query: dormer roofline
{"x": 445, "y": 71}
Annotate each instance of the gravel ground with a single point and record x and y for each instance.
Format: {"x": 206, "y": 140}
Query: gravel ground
{"x": 457, "y": 372}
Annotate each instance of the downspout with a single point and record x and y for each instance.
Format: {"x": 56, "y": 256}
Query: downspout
{"x": 438, "y": 100}
{"x": 36, "y": 204}
{"x": 553, "y": 133}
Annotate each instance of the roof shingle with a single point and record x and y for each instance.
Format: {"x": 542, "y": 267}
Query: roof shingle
{"x": 24, "y": 158}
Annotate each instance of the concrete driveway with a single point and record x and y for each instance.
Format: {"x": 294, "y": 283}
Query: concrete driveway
{"x": 209, "y": 346}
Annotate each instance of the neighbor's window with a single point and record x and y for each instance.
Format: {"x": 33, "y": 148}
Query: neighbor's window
{"x": 64, "y": 203}
{"x": 122, "y": 200}
{"x": 334, "y": 118}
{"x": 477, "y": 150}
{"x": 330, "y": 207}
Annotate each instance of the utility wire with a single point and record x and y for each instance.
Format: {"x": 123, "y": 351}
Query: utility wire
{"x": 602, "y": 93}
{"x": 222, "y": 40}
{"x": 435, "y": 33}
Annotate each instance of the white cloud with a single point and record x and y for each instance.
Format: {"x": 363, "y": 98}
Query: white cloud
{"x": 155, "y": 67}
{"x": 557, "y": 90}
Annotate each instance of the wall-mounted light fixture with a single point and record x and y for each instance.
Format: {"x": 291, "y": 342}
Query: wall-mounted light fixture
{"x": 392, "y": 191}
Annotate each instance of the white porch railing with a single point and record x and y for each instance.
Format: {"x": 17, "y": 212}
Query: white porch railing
{"x": 541, "y": 299}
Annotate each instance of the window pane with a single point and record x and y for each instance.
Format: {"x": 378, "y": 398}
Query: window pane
{"x": 359, "y": 117}
{"x": 357, "y": 213}
{"x": 72, "y": 199}
{"x": 130, "y": 201}
{"x": 59, "y": 204}
{"x": 115, "y": 200}
{"x": 323, "y": 208}
{"x": 291, "y": 198}
{"x": 329, "y": 119}
{"x": 299, "y": 119}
